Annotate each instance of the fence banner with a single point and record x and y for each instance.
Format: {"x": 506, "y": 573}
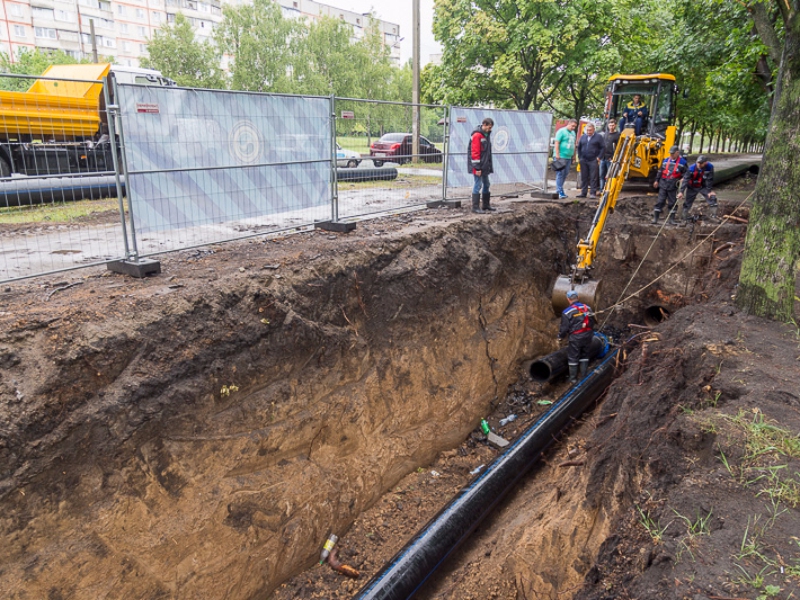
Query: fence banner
{"x": 520, "y": 145}
{"x": 199, "y": 157}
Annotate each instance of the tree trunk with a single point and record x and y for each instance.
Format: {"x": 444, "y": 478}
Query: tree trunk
{"x": 691, "y": 137}
{"x": 702, "y": 139}
{"x": 772, "y": 248}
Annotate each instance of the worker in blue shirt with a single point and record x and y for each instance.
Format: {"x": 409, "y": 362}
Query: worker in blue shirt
{"x": 698, "y": 180}
{"x": 635, "y": 112}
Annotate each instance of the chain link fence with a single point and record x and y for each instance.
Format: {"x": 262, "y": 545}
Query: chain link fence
{"x": 93, "y": 173}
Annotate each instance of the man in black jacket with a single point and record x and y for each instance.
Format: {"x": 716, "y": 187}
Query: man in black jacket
{"x": 610, "y": 138}
{"x": 479, "y": 162}
{"x": 590, "y": 150}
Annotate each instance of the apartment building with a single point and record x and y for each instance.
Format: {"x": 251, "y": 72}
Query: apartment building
{"x": 123, "y": 28}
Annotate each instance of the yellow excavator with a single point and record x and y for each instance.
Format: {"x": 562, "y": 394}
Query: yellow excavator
{"x": 636, "y": 157}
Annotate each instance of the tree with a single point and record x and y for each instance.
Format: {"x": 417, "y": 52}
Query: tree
{"x": 176, "y": 52}
{"x": 31, "y": 62}
{"x": 513, "y": 53}
{"x": 262, "y": 44}
{"x": 772, "y": 248}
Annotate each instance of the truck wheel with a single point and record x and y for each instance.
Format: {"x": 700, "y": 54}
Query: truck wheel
{"x": 5, "y": 169}
{"x": 352, "y": 164}
{"x": 377, "y": 163}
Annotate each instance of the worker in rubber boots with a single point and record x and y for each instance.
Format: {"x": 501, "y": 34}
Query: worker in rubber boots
{"x": 479, "y": 156}
{"x": 699, "y": 179}
{"x": 577, "y": 322}
{"x": 667, "y": 181}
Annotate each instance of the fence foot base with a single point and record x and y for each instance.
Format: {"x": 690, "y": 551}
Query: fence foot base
{"x": 141, "y": 268}
{"x": 444, "y": 204}
{"x": 335, "y": 226}
{"x": 545, "y": 195}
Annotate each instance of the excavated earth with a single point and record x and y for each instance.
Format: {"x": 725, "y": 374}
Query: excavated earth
{"x": 198, "y": 434}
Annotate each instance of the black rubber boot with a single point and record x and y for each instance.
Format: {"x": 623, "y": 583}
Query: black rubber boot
{"x": 713, "y": 213}
{"x": 476, "y": 204}
{"x": 671, "y": 220}
{"x": 584, "y": 367}
{"x": 573, "y": 373}
{"x": 486, "y": 206}
{"x": 684, "y": 216}
{"x": 656, "y": 214}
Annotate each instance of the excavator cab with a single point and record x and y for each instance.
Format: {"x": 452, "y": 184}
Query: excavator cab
{"x": 659, "y": 93}
{"x": 635, "y": 156}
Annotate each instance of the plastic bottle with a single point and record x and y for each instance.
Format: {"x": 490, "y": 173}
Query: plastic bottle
{"x": 327, "y": 547}
{"x": 508, "y": 420}
{"x": 485, "y": 427}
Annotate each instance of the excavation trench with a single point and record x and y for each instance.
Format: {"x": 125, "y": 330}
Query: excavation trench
{"x": 203, "y": 441}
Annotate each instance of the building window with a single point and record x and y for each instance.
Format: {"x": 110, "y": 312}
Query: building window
{"x": 139, "y": 13}
{"x": 42, "y": 13}
{"x": 121, "y": 10}
{"x": 19, "y": 31}
{"x": 126, "y": 46}
{"x": 45, "y": 32}
{"x": 104, "y": 5}
{"x": 15, "y": 10}
{"x": 142, "y": 48}
{"x": 123, "y": 28}
{"x": 170, "y": 17}
{"x": 156, "y": 17}
{"x": 142, "y": 32}
{"x": 64, "y": 15}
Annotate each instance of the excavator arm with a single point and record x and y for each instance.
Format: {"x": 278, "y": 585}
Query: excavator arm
{"x": 587, "y": 247}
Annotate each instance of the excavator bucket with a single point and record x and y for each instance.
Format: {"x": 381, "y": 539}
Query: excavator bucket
{"x": 587, "y": 292}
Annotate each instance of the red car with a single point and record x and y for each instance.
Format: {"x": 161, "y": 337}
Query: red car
{"x": 396, "y": 147}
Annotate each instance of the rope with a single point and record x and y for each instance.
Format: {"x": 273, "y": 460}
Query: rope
{"x": 621, "y": 300}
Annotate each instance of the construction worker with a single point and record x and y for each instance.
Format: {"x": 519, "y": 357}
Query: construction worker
{"x": 669, "y": 176}
{"x": 698, "y": 180}
{"x": 635, "y": 112}
{"x": 480, "y": 165}
{"x": 577, "y": 322}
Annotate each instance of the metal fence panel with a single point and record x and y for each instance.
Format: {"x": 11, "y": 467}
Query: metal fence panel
{"x": 377, "y": 168}
{"x": 220, "y": 165}
{"x": 59, "y": 208}
{"x": 520, "y": 145}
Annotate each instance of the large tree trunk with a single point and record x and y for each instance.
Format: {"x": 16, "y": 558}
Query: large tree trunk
{"x": 772, "y": 248}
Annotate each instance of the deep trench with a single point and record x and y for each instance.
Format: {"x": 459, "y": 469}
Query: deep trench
{"x": 367, "y": 367}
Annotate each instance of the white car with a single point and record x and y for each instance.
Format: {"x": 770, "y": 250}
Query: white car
{"x": 347, "y": 158}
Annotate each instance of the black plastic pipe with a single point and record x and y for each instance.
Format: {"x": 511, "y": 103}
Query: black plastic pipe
{"x": 24, "y": 191}
{"x": 554, "y": 365}
{"x": 418, "y": 559}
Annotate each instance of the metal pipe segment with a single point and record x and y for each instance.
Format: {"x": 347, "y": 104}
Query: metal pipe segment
{"x": 553, "y": 365}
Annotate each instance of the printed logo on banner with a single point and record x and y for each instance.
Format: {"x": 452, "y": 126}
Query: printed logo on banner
{"x": 147, "y": 107}
{"x": 245, "y": 142}
{"x": 500, "y": 139}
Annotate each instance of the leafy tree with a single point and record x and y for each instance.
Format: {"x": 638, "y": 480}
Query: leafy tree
{"x": 513, "y": 53}
{"x": 262, "y": 45}
{"x": 772, "y": 248}
{"x": 31, "y": 62}
{"x": 176, "y": 52}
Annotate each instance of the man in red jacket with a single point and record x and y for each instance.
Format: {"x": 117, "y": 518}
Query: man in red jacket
{"x": 479, "y": 155}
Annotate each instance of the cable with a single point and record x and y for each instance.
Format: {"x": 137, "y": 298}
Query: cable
{"x": 620, "y": 302}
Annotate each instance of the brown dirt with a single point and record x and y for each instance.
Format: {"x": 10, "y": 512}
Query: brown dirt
{"x": 199, "y": 433}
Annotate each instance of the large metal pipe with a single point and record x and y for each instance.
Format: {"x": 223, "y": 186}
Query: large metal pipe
{"x": 554, "y": 365}
{"x": 418, "y": 559}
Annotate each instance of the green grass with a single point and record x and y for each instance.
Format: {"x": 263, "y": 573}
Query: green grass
{"x": 62, "y": 212}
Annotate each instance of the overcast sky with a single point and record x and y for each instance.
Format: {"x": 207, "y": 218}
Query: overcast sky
{"x": 399, "y": 11}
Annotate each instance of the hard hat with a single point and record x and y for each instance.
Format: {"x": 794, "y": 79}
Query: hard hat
{"x": 674, "y": 149}
{"x": 702, "y": 158}
{"x": 572, "y": 295}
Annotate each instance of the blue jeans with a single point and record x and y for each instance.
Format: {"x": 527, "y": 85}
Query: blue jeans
{"x": 605, "y": 167}
{"x": 480, "y": 180}
{"x": 561, "y": 177}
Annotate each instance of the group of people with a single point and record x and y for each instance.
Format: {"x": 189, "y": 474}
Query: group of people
{"x": 595, "y": 151}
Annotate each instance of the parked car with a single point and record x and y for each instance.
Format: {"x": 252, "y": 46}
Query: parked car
{"x": 347, "y": 158}
{"x": 396, "y": 147}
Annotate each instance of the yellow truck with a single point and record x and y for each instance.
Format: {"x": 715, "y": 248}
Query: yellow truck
{"x": 59, "y": 125}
